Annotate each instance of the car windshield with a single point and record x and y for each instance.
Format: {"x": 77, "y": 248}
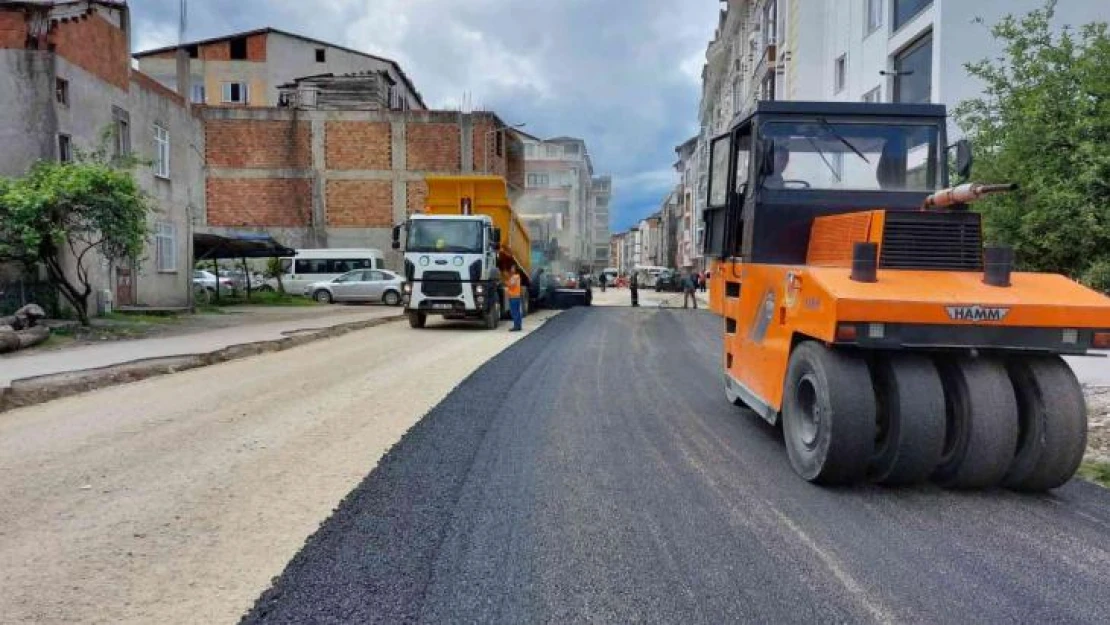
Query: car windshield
{"x": 444, "y": 235}
{"x": 853, "y": 156}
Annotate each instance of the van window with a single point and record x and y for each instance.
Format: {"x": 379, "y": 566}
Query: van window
{"x": 379, "y": 263}
{"x": 343, "y": 265}
{"x": 286, "y": 265}
{"x": 311, "y": 266}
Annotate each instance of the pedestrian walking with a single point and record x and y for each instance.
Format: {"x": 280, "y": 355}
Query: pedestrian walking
{"x": 635, "y": 288}
{"x": 703, "y": 281}
{"x": 515, "y": 304}
{"x": 689, "y": 288}
{"x": 603, "y": 279}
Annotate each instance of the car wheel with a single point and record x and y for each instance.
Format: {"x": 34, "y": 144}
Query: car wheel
{"x": 391, "y": 298}
{"x": 322, "y": 296}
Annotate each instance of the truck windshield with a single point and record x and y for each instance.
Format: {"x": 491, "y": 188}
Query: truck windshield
{"x": 446, "y": 236}
{"x": 853, "y": 156}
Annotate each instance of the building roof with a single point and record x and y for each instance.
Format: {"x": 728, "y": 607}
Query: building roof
{"x": 269, "y": 29}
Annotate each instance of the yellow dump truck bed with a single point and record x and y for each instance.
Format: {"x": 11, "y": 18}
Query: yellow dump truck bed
{"x": 489, "y": 195}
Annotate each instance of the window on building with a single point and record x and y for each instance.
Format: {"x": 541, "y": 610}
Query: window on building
{"x": 539, "y": 181}
{"x": 192, "y": 51}
{"x": 767, "y": 88}
{"x": 873, "y": 96}
{"x": 161, "y": 151}
{"x": 874, "y": 10}
{"x": 500, "y": 145}
{"x": 321, "y": 55}
{"x": 554, "y": 151}
{"x": 236, "y": 93}
{"x": 770, "y": 25}
{"x": 238, "y": 47}
{"x": 121, "y": 122}
{"x": 529, "y": 150}
{"x": 840, "y": 73}
{"x": 165, "y": 247}
{"x": 737, "y": 84}
{"x": 65, "y": 149}
{"x": 61, "y": 91}
{"x": 906, "y": 10}
{"x": 198, "y": 94}
{"x": 913, "y": 72}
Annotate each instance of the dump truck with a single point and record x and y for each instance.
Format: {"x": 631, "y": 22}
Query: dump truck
{"x": 865, "y": 313}
{"x": 459, "y": 251}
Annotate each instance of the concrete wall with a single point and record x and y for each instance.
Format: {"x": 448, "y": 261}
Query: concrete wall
{"x": 28, "y": 124}
{"x": 282, "y": 59}
{"x": 331, "y": 178}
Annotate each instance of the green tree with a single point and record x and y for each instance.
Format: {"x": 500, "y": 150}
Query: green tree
{"x": 1044, "y": 122}
{"x": 65, "y": 215}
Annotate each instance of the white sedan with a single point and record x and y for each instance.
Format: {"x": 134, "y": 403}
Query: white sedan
{"x": 360, "y": 285}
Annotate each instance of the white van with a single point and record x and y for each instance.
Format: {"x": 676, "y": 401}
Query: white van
{"x": 318, "y": 265}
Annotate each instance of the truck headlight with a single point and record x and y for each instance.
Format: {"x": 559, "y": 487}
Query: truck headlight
{"x": 424, "y": 260}
{"x": 479, "y": 289}
{"x": 407, "y": 288}
{"x": 458, "y": 261}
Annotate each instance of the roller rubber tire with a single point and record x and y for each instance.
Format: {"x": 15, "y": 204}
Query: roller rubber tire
{"x": 910, "y": 428}
{"x": 1052, "y": 418}
{"x": 828, "y": 414}
{"x": 417, "y": 320}
{"x": 981, "y": 424}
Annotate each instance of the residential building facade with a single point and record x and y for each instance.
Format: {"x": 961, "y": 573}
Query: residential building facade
{"x": 67, "y": 86}
{"x": 601, "y": 194}
{"x": 249, "y": 68}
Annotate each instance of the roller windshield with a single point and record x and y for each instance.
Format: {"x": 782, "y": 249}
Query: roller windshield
{"x": 853, "y": 156}
{"x": 445, "y": 236}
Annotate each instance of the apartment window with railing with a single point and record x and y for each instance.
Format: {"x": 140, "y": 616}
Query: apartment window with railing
{"x": 538, "y": 181}
{"x": 770, "y": 25}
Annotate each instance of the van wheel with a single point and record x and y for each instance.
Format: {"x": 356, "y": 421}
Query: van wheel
{"x": 322, "y": 296}
{"x": 493, "y": 315}
{"x": 828, "y": 414}
{"x": 417, "y": 320}
{"x": 391, "y": 298}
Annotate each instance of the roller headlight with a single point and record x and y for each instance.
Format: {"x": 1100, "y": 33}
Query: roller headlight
{"x": 424, "y": 260}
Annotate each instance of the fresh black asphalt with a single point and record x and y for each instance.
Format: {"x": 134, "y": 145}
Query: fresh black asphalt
{"x": 594, "y": 472}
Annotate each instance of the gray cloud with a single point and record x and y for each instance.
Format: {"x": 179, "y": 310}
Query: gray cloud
{"x": 621, "y": 74}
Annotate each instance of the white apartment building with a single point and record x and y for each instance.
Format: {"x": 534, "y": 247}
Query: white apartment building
{"x": 559, "y": 179}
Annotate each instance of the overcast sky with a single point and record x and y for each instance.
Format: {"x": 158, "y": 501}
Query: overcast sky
{"x": 622, "y": 74}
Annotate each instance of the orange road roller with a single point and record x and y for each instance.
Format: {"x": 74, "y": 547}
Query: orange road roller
{"x": 863, "y": 311}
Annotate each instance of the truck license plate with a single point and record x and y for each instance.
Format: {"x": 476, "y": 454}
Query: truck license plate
{"x": 442, "y": 306}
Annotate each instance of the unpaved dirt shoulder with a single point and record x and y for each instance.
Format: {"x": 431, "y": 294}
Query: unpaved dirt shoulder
{"x": 1098, "y": 425}
{"x": 177, "y": 499}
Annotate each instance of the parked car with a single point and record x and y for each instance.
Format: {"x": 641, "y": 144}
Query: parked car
{"x": 206, "y": 280}
{"x": 668, "y": 280}
{"x": 570, "y": 280}
{"x": 360, "y": 285}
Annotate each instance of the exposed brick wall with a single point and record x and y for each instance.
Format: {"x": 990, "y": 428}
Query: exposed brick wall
{"x": 417, "y": 196}
{"x": 95, "y": 45}
{"x": 258, "y": 144}
{"x": 256, "y": 48}
{"x": 217, "y": 51}
{"x": 13, "y": 28}
{"x": 433, "y": 147}
{"x": 360, "y": 203}
{"x": 359, "y": 145}
{"x": 263, "y": 202}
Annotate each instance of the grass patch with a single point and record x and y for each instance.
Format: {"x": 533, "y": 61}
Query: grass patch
{"x": 141, "y": 318}
{"x": 268, "y": 298}
{"x": 1097, "y": 472}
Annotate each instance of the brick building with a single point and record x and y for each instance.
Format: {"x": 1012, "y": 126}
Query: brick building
{"x": 331, "y": 178}
{"x": 65, "y": 80}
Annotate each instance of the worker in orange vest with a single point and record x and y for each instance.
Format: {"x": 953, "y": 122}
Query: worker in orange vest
{"x": 515, "y": 305}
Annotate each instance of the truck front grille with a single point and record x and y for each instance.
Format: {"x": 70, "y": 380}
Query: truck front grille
{"x": 441, "y": 284}
{"x": 948, "y": 241}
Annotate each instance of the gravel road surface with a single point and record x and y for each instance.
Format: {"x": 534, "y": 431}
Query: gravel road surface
{"x": 178, "y": 499}
{"x": 593, "y": 472}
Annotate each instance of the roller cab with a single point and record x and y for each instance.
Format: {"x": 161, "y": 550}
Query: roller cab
{"x": 863, "y": 309}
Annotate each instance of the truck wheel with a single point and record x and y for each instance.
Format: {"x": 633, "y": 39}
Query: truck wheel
{"x": 828, "y": 423}
{"x": 417, "y": 319}
{"x": 909, "y": 435}
{"x": 981, "y": 426}
{"x": 1052, "y": 423}
{"x": 493, "y": 315}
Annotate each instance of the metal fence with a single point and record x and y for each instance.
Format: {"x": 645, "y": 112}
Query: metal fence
{"x": 14, "y": 294}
